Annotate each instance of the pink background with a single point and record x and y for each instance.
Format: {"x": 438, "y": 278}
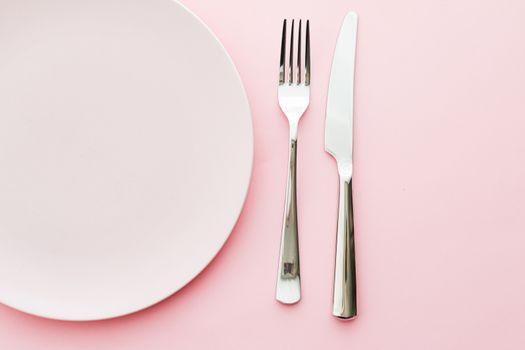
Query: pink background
{"x": 439, "y": 191}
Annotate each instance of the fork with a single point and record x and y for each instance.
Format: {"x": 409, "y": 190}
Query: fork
{"x": 294, "y": 97}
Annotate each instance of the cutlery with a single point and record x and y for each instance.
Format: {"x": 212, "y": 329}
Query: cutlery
{"x": 294, "y": 97}
{"x": 338, "y": 142}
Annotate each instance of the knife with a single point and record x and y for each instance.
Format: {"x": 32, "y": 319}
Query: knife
{"x": 338, "y": 142}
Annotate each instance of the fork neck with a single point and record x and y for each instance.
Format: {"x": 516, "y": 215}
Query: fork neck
{"x": 293, "y": 131}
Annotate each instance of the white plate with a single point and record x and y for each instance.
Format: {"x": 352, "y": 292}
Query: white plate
{"x": 125, "y": 154}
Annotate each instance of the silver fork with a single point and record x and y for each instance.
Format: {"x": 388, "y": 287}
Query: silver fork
{"x": 294, "y": 97}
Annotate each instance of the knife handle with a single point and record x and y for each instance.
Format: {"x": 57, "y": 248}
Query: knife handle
{"x": 288, "y": 289}
{"x": 345, "y": 296}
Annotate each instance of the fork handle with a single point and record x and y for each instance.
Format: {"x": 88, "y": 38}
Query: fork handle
{"x": 345, "y": 296}
{"x": 288, "y": 289}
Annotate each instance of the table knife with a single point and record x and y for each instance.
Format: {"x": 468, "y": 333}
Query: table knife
{"x": 338, "y": 142}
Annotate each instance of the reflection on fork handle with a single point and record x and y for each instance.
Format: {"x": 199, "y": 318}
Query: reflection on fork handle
{"x": 288, "y": 278}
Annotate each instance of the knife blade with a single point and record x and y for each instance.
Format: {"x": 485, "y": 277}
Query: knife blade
{"x": 339, "y": 110}
{"x": 338, "y": 142}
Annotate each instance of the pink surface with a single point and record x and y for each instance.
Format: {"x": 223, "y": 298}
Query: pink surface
{"x": 439, "y": 192}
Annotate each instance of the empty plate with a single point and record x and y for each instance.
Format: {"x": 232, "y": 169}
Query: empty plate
{"x": 125, "y": 154}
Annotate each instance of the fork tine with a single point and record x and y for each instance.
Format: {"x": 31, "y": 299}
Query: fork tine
{"x": 299, "y": 34}
{"x": 290, "y": 66}
{"x": 307, "y": 55}
{"x": 283, "y": 55}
